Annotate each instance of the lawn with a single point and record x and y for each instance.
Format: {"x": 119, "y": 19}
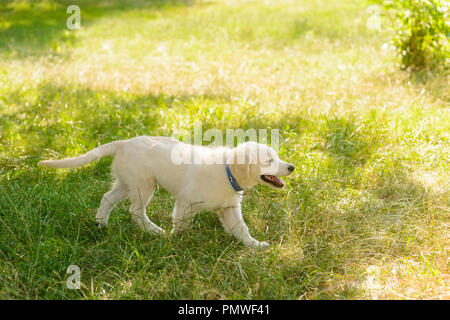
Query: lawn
{"x": 364, "y": 215}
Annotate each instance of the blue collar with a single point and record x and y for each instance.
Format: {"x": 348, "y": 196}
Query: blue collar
{"x": 232, "y": 180}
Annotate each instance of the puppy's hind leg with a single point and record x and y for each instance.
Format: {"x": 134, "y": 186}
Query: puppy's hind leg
{"x": 140, "y": 198}
{"x": 181, "y": 217}
{"x": 109, "y": 200}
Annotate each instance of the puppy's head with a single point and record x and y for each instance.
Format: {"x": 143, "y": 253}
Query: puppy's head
{"x": 252, "y": 163}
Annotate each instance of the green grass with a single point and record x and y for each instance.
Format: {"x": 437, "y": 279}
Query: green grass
{"x": 364, "y": 216}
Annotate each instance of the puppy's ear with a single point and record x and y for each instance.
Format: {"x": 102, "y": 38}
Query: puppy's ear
{"x": 241, "y": 165}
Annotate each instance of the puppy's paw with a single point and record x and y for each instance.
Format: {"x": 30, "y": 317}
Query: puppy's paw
{"x": 176, "y": 232}
{"x": 259, "y": 245}
{"x": 101, "y": 223}
{"x": 263, "y": 245}
{"x": 158, "y": 231}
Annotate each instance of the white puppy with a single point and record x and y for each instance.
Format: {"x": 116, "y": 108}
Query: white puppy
{"x": 200, "y": 178}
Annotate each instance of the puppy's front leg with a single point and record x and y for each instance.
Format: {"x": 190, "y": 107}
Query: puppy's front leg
{"x": 181, "y": 217}
{"x": 233, "y": 223}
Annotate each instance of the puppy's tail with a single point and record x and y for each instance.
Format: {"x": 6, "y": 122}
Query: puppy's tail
{"x": 92, "y": 155}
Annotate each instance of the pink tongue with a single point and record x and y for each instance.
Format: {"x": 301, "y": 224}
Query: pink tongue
{"x": 276, "y": 179}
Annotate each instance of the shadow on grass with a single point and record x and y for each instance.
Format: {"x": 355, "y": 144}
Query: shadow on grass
{"x": 343, "y": 141}
{"x": 33, "y": 28}
{"x": 333, "y": 211}
{"x": 364, "y": 205}
{"x": 59, "y": 114}
{"x": 48, "y": 220}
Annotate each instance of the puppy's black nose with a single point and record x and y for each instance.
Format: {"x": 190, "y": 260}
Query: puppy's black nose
{"x": 291, "y": 168}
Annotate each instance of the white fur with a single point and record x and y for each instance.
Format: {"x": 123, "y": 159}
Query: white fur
{"x": 142, "y": 162}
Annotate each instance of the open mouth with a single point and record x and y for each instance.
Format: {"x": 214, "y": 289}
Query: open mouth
{"x": 273, "y": 180}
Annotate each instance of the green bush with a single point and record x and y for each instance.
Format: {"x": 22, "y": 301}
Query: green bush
{"x": 422, "y": 33}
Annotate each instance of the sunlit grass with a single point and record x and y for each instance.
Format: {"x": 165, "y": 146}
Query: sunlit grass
{"x": 364, "y": 215}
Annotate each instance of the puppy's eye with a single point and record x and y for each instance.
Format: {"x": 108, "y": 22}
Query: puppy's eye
{"x": 269, "y": 161}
